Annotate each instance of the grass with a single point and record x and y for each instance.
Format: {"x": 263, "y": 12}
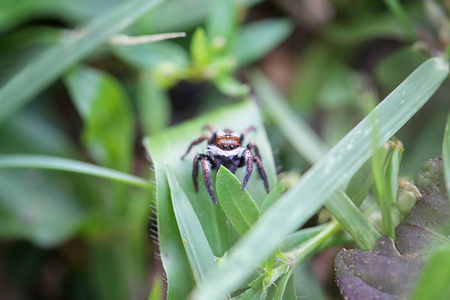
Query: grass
{"x": 251, "y": 244}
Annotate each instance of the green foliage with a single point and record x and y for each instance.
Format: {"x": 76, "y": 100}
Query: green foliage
{"x": 317, "y": 86}
{"x": 238, "y": 205}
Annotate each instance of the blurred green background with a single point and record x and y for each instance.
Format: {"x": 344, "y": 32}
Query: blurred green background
{"x": 73, "y": 236}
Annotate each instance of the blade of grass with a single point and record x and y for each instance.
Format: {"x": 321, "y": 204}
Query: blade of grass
{"x": 446, "y": 154}
{"x": 69, "y": 165}
{"x": 48, "y": 66}
{"x": 198, "y": 251}
{"x": 351, "y": 218}
{"x": 296, "y": 206}
{"x": 308, "y": 144}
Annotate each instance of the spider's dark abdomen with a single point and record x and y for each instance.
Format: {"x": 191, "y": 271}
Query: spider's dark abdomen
{"x": 231, "y": 162}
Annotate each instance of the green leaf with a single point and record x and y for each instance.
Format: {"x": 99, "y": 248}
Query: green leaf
{"x": 199, "y": 48}
{"x": 353, "y": 221}
{"x": 337, "y": 166}
{"x": 433, "y": 282}
{"x": 446, "y": 154}
{"x": 273, "y": 196}
{"x": 153, "y": 104}
{"x": 221, "y": 24}
{"x": 238, "y": 205}
{"x": 198, "y": 251}
{"x": 257, "y": 39}
{"x": 106, "y": 112}
{"x": 167, "y": 147}
{"x": 49, "y": 65}
{"x": 360, "y": 184}
{"x": 69, "y": 165}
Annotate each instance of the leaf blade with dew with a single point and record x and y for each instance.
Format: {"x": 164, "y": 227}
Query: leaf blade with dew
{"x": 309, "y": 145}
{"x": 198, "y": 251}
{"x": 325, "y": 177}
{"x": 69, "y": 165}
{"x": 238, "y": 205}
{"x": 46, "y": 68}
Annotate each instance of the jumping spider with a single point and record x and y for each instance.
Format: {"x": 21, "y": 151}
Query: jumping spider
{"x": 225, "y": 149}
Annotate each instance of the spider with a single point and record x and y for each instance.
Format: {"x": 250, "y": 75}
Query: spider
{"x": 225, "y": 149}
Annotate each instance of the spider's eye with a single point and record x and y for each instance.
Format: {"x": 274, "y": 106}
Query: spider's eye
{"x": 217, "y": 144}
{"x": 231, "y": 147}
{"x": 224, "y": 147}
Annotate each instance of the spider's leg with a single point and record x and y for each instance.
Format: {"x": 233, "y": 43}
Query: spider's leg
{"x": 257, "y": 160}
{"x": 196, "y": 142}
{"x": 261, "y": 172}
{"x": 210, "y": 128}
{"x": 206, "y": 167}
{"x": 245, "y": 131}
{"x": 195, "y": 170}
{"x": 249, "y": 163}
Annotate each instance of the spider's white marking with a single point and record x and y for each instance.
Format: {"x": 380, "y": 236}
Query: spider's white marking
{"x": 222, "y": 133}
{"x": 214, "y": 150}
{"x": 206, "y": 165}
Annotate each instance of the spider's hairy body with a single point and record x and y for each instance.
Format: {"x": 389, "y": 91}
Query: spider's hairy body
{"x": 225, "y": 149}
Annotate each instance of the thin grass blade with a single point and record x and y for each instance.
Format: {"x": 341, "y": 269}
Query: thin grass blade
{"x": 446, "y": 154}
{"x": 69, "y": 165}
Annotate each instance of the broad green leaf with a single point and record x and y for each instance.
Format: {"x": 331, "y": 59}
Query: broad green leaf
{"x": 325, "y": 177}
{"x": 50, "y": 64}
{"x": 69, "y": 165}
{"x": 221, "y": 24}
{"x": 148, "y": 56}
{"x": 433, "y": 282}
{"x": 257, "y": 39}
{"x": 198, "y": 251}
{"x": 106, "y": 112}
{"x": 200, "y": 48}
{"x": 167, "y": 147}
{"x": 153, "y": 104}
{"x": 273, "y": 196}
{"x": 238, "y": 205}
{"x": 446, "y": 154}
